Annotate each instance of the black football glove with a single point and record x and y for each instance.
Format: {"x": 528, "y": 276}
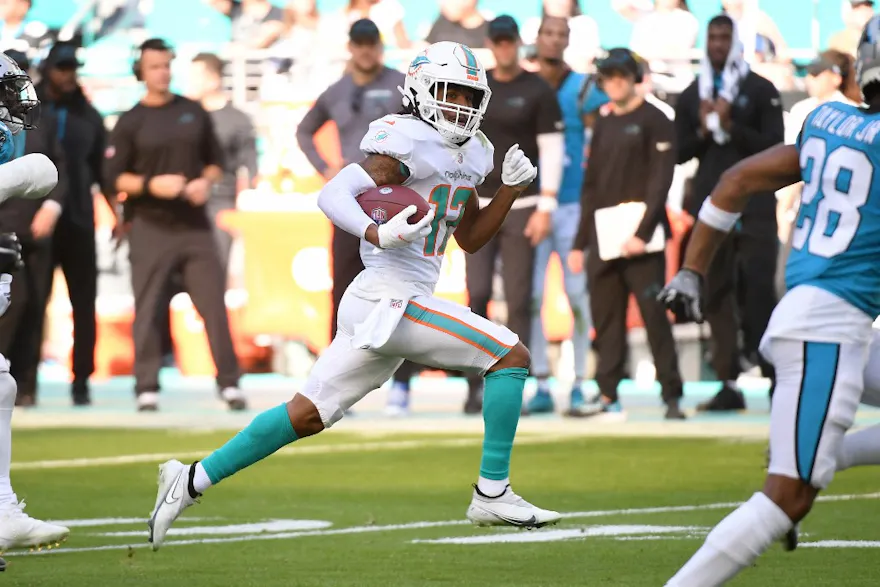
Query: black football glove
{"x": 684, "y": 295}
{"x": 10, "y": 253}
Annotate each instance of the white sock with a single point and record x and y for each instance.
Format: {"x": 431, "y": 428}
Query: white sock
{"x": 543, "y": 384}
{"x": 734, "y": 544}
{"x": 860, "y": 448}
{"x": 201, "y": 481}
{"x": 7, "y": 403}
{"x": 491, "y": 487}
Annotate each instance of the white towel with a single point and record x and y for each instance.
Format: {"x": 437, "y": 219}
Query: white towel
{"x": 379, "y": 325}
{"x": 734, "y": 72}
{"x": 391, "y": 296}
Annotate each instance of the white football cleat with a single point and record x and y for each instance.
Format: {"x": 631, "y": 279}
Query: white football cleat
{"x": 508, "y": 509}
{"x": 19, "y": 530}
{"x": 173, "y": 497}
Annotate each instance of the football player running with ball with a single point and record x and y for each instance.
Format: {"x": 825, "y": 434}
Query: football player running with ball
{"x": 389, "y": 312}
{"x": 820, "y": 338}
{"x": 31, "y": 176}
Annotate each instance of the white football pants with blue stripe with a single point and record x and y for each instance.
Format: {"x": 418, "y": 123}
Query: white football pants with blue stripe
{"x": 819, "y": 386}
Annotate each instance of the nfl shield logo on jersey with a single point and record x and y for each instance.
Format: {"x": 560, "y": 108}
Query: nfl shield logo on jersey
{"x": 379, "y": 215}
{"x": 460, "y": 158}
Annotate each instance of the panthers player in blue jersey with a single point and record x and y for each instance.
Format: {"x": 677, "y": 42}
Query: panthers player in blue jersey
{"x": 31, "y": 176}
{"x": 820, "y": 335}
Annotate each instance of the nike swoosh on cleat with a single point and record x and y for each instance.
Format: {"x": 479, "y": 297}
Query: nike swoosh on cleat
{"x": 176, "y": 490}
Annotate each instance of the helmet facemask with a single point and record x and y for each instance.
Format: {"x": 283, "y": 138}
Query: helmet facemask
{"x": 19, "y": 106}
{"x": 455, "y": 122}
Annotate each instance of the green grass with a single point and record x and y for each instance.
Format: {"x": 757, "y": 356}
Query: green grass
{"x": 370, "y": 488}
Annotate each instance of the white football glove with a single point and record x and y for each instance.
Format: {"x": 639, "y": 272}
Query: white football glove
{"x": 517, "y": 171}
{"x": 398, "y": 232}
{"x": 5, "y": 292}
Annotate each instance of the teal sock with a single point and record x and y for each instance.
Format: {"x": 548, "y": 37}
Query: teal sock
{"x": 502, "y": 402}
{"x": 268, "y": 432}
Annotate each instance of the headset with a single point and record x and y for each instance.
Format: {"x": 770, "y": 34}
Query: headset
{"x": 154, "y": 44}
{"x": 623, "y": 59}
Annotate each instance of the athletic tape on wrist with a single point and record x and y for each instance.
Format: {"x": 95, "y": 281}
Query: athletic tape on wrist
{"x": 717, "y": 218}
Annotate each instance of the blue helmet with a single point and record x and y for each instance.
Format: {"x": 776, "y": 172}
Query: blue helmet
{"x": 868, "y": 56}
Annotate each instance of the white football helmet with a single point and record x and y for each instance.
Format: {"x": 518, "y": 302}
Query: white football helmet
{"x": 424, "y": 89}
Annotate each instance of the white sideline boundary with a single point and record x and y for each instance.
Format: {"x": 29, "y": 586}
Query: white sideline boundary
{"x": 417, "y": 526}
{"x": 295, "y": 449}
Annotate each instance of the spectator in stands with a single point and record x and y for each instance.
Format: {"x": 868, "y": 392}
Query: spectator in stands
{"x": 769, "y": 41}
{"x": 238, "y": 140}
{"x": 726, "y": 115}
{"x": 83, "y": 138}
{"x": 164, "y": 155}
{"x": 256, "y": 24}
{"x": 856, "y": 14}
{"x": 578, "y": 98}
{"x": 584, "y": 45}
{"x": 302, "y": 31}
{"x": 460, "y": 22}
{"x": 664, "y": 32}
{"x": 367, "y": 92}
{"x": 388, "y": 16}
{"x": 16, "y": 31}
{"x": 523, "y": 111}
{"x": 34, "y": 221}
{"x": 632, "y": 159}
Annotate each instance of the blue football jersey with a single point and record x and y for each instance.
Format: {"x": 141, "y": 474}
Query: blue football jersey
{"x": 7, "y": 147}
{"x": 836, "y": 238}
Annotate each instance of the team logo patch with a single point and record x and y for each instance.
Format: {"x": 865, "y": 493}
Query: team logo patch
{"x": 381, "y": 136}
{"x": 379, "y": 215}
{"x": 110, "y": 152}
{"x": 385, "y": 190}
{"x": 417, "y": 63}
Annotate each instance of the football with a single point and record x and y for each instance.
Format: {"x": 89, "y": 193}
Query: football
{"x": 384, "y": 202}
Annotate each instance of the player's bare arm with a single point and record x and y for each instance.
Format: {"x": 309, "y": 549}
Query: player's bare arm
{"x": 479, "y": 225}
{"x": 768, "y": 171}
{"x": 383, "y": 170}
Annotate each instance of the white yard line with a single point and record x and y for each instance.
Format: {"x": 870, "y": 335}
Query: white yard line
{"x": 416, "y": 526}
{"x": 351, "y": 447}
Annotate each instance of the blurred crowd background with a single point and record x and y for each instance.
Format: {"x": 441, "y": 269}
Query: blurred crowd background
{"x": 272, "y": 59}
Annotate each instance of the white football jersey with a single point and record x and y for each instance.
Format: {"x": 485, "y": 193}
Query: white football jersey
{"x": 444, "y": 175}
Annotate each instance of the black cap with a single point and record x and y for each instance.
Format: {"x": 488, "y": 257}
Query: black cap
{"x": 503, "y": 27}
{"x": 619, "y": 59}
{"x": 62, "y": 54}
{"x": 364, "y": 32}
{"x": 821, "y": 65}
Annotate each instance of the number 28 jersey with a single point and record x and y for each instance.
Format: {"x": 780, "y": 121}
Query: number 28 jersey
{"x": 444, "y": 175}
{"x": 836, "y": 237}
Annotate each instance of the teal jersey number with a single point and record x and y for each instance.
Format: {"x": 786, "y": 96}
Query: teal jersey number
{"x": 442, "y": 206}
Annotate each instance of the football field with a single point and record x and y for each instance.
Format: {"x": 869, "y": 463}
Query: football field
{"x": 369, "y": 509}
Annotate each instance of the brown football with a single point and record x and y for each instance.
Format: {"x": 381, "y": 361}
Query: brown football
{"x": 385, "y": 201}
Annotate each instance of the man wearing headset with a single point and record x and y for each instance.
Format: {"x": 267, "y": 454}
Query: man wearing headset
{"x": 164, "y": 156}
{"x": 632, "y": 159}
